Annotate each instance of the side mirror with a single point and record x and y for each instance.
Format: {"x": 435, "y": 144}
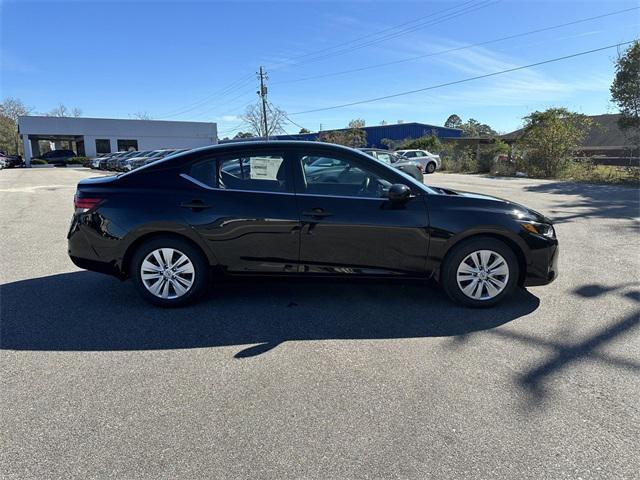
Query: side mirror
{"x": 399, "y": 193}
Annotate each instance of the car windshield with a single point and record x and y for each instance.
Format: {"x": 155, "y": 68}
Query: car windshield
{"x": 384, "y": 157}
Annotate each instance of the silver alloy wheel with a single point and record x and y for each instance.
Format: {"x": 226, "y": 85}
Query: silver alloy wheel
{"x": 167, "y": 273}
{"x": 483, "y": 275}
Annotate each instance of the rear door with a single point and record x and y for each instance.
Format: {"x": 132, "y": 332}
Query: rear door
{"x": 243, "y": 205}
{"x": 348, "y": 224}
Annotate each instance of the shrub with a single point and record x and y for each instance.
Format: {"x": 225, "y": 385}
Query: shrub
{"x": 549, "y": 139}
{"x": 84, "y": 161}
{"x": 428, "y": 142}
{"x": 39, "y": 161}
{"x": 459, "y": 158}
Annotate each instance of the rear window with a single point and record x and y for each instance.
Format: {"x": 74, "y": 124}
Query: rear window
{"x": 265, "y": 173}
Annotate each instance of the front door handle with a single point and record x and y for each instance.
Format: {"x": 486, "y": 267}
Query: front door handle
{"x": 317, "y": 213}
{"x": 195, "y": 205}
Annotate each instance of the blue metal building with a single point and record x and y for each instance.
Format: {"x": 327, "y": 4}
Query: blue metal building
{"x": 375, "y": 134}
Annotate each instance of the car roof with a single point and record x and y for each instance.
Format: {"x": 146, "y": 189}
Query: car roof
{"x": 261, "y": 144}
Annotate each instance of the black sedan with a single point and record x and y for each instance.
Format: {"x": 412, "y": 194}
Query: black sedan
{"x": 270, "y": 208}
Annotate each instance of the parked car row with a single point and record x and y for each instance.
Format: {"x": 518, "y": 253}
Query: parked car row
{"x": 128, "y": 161}
{"x": 10, "y": 161}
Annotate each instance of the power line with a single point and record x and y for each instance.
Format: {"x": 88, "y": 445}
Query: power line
{"x": 357, "y": 39}
{"x": 234, "y": 86}
{"x": 449, "y": 50}
{"x": 449, "y": 16}
{"x": 284, "y": 114}
{"x": 478, "y": 77}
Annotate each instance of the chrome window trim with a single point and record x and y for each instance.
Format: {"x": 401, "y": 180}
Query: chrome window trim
{"x": 204, "y": 185}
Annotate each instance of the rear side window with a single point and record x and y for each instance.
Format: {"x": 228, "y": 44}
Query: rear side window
{"x": 264, "y": 173}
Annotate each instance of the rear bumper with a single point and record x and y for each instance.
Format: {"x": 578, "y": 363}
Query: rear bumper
{"x": 84, "y": 256}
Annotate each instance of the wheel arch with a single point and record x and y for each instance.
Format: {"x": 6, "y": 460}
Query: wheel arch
{"x": 506, "y": 239}
{"x": 145, "y": 237}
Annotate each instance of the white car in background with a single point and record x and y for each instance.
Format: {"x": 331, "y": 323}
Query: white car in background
{"x": 428, "y": 160}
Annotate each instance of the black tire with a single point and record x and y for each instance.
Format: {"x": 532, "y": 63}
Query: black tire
{"x": 194, "y": 254}
{"x": 449, "y": 269}
{"x": 431, "y": 167}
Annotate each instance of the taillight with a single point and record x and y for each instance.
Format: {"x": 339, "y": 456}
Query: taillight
{"x": 86, "y": 203}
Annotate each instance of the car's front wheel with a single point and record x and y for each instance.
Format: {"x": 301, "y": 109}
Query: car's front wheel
{"x": 169, "y": 272}
{"x": 480, "y": 272}
{"x": 431, "y": 167}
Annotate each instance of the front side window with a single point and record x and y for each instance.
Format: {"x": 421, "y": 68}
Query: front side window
{"x": 409, "y": 154}
{"x": 420, "y": 154}
{"x": 341, "y": 177}
{"x": 264, "y": 173}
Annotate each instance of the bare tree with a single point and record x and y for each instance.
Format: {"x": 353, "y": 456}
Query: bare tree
{"x": 141, "y": 116}
{"x": 63, "y": 111}
{"x": 276, "y": 119}
{"x": 10, "y": 109}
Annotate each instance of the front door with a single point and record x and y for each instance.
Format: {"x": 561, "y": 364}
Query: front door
{"x": 348, "y": 224}
{"x": 244, "y": 207}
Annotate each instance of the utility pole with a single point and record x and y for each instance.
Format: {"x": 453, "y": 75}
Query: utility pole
{"x": 263, "y": 96}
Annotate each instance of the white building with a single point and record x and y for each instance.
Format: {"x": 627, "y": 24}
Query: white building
{"x": 96, "y": 136}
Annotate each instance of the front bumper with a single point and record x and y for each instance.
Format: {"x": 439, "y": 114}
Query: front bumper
{"x": 544, "y": 267}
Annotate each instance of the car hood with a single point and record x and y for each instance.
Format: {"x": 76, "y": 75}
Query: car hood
{"x": 520, "y": 211}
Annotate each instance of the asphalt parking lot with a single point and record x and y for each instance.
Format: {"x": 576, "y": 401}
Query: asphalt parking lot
{"x": 321, "y": 380}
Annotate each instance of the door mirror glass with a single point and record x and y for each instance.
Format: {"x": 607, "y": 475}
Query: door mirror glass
{"x": 399, "y": 193}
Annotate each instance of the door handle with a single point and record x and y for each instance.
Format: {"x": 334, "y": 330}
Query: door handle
{"x": 317, "y": 213}
{"x": 195, "y": 205}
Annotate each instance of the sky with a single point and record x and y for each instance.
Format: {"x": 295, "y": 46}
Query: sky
{"x": 197, "y": 61}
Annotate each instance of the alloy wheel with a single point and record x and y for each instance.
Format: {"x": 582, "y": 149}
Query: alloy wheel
{"x": 167, "y": 273}
{"x": 483, "y": 275}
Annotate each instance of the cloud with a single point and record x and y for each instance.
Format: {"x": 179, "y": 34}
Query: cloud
{"x": 510, "y": 89}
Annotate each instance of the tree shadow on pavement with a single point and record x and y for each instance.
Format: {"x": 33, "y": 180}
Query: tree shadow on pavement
{"x": 84, "y": 311}
{"x": 564, "y": 354}
{"x": 599, "y": 201}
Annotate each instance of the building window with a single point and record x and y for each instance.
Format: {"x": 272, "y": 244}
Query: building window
{"x": 103, "y": 146}
{"x": 127, "y": 145}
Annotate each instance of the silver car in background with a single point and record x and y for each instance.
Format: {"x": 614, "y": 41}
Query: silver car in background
{"x": 428, "y": 160}
{"x": 415, "y": 169}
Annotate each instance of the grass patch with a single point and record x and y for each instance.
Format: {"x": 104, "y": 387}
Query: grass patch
{"x": 586, "y": 172}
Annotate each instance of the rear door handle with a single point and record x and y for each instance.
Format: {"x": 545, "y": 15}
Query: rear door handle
{"x": 317, "y": 212}
{"x": 195, "y": 205}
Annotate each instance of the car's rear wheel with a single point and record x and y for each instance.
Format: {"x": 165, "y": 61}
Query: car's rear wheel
{"x": 169, "y": 272}
{"x": 431, "y": 167}
{"x": 480, "y": 272}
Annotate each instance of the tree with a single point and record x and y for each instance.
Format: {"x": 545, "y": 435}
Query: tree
{"x": 304, "y": 130}
{"x": 625, "y": 91}
{"x": 10, "y": 109}
{"x": 244, "y": 135}
{"x": 549, "y": 139}
{"x": 276, "y": 119}
{"x": 352, "y": 136}
{"x": 63, "y": 111}
{"x": 453, "y": 121}
{"x": 141, "y": 116}
{"x": 473, "y": 128}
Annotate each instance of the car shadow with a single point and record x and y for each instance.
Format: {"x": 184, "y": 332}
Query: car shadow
{"x": 84, "y": 311}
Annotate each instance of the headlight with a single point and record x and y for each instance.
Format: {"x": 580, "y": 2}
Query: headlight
{"x": 544, "y": 229}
